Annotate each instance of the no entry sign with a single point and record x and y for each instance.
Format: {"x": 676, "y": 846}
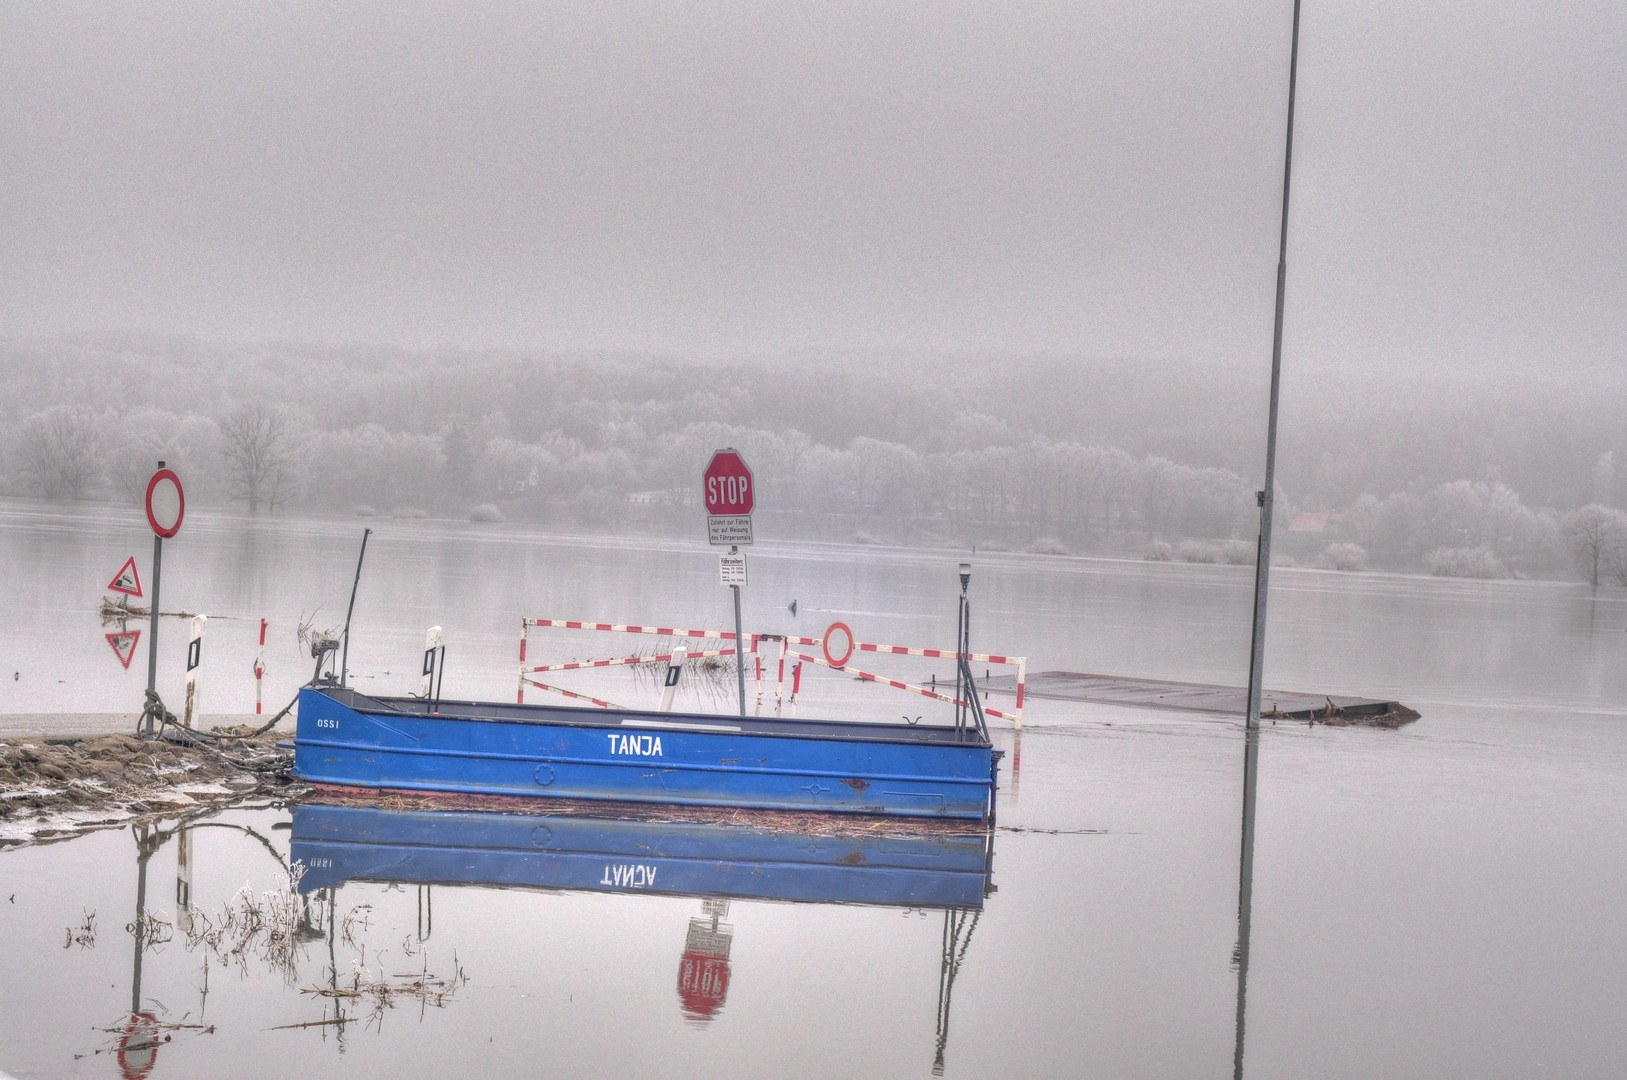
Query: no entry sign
{"x": 166, "y": 503}
{"x": 730, "y": 494}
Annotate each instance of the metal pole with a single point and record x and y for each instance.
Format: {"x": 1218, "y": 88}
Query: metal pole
{"x": 1245, "y": 888}
{"x": 960, "y": 647}
{"x": 963, "y": 641}
{"x": 344, "y": 658}
{"x": 739, "y": 650}
{"x": 152, "y": 625}
{"x": 965, "y": 661}
{"x": 1266, "y": 496}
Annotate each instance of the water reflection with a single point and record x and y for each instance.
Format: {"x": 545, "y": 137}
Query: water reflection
{"x": 143, "y": 1032}
{"x": 813, "y": 859}
{"x": 703, "y": 972}
{"x": 805, "y": 858}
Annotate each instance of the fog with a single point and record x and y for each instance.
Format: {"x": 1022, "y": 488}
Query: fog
{"x": 536, "y": 258}
{"x": 1100, "y": 179}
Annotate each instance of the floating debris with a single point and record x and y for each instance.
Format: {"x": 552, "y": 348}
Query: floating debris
{"x": 113, "y": 611}
{"x": 378, "y": 991}
{"x": 84, "y": 935}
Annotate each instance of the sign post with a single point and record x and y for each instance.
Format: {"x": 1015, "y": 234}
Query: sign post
{"x": 731, "y": 494}
{"x": 166, "y": 506}
{"x": 191, "y": 715}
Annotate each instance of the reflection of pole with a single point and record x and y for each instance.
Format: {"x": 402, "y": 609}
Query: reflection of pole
{"x": 1262, "y": 559}
{"x": 1245, "y": 888}
{"x": 955, "y": 920}
{"x": 183, "y": 880}
{"x": 142, "y": 854}
{"x": 152, "y": 624}
{"x": 332, "y": 896}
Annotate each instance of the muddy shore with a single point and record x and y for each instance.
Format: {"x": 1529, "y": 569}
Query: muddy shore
{"x": 56, "y": 788}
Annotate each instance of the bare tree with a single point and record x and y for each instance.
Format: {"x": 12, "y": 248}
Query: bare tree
{"x": 60, "y": 452}
{"x": 1598, "y": 535}
{"x": 260, "y": 451}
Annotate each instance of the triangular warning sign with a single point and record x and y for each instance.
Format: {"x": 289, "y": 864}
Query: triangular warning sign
{"x": 124, "y": 644}
{"x": 127, "y": 580}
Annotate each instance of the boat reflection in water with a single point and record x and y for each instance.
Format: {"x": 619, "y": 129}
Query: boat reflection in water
{"x": 808, "y": 858}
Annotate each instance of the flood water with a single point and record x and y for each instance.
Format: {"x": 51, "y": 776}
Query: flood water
{"x": 1441, "y": 901}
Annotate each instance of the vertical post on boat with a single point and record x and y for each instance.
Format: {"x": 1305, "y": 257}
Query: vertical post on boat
{"x": 963, "y": 633}
{"x": 739, "y": 645}
{"x": 1265, "y": 496}
{"x": 344, "y": 656}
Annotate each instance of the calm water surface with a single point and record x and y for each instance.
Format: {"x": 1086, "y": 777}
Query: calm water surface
{"x": 1443, "y": 900}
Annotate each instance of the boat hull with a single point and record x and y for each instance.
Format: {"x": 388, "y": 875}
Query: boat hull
{"x": 348, "y": 739}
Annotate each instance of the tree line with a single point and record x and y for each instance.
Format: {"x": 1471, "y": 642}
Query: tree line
{"x": 1066, "y": 458}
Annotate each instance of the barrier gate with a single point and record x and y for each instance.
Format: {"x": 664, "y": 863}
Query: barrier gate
{"x": 787, "y": 648}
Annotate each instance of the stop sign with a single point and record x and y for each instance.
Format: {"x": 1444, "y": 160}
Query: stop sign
{"x": 727, "y": 485}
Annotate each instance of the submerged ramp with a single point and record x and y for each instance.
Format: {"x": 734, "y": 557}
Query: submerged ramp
{"x": 1204, "y": 697}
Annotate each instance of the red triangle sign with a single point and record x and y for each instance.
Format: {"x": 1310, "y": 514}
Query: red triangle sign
{"x": 124, "y": 644}
{"x": 127, "y": 581}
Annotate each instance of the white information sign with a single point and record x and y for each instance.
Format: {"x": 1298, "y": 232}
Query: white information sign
{"x": 729, "y": 529}
{"x": 731, "y": 570}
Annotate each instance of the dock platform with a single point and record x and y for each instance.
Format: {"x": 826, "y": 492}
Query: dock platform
{"x": 1204, "y": 697}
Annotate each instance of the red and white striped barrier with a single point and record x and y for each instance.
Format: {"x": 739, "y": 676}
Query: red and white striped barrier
{"x": 752, "y": 646}
{"x": 660, "y": 631}
{"x": 906, "y": 650}
{"x": 897, "y": 684}
{"x": 620, "y": 628}
{"x": 1018, "y": 662}
{"x": 624, "y": 661}
{"x": 570, "y": 694}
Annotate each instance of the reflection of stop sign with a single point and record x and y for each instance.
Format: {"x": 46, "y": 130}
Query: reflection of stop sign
{"x": 727, "y": 485}
{"x": 703, "y": 983}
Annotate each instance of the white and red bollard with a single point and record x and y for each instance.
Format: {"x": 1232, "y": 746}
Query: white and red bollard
{"x": 259, "y": 668}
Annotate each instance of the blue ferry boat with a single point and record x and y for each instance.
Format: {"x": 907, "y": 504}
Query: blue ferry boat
{"x": 354, "y": 740}
{"x": 344, "y": 843}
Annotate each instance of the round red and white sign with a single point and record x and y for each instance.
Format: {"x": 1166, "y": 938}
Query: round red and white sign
{"x": 838, "y": 632}
{"x": 166, "y": 503}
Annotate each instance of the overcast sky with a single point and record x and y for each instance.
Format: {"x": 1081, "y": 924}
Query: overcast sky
{"x": 713, "y": 177}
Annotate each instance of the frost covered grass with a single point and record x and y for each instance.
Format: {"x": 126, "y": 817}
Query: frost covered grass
{"x": 1348, "y": 557}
